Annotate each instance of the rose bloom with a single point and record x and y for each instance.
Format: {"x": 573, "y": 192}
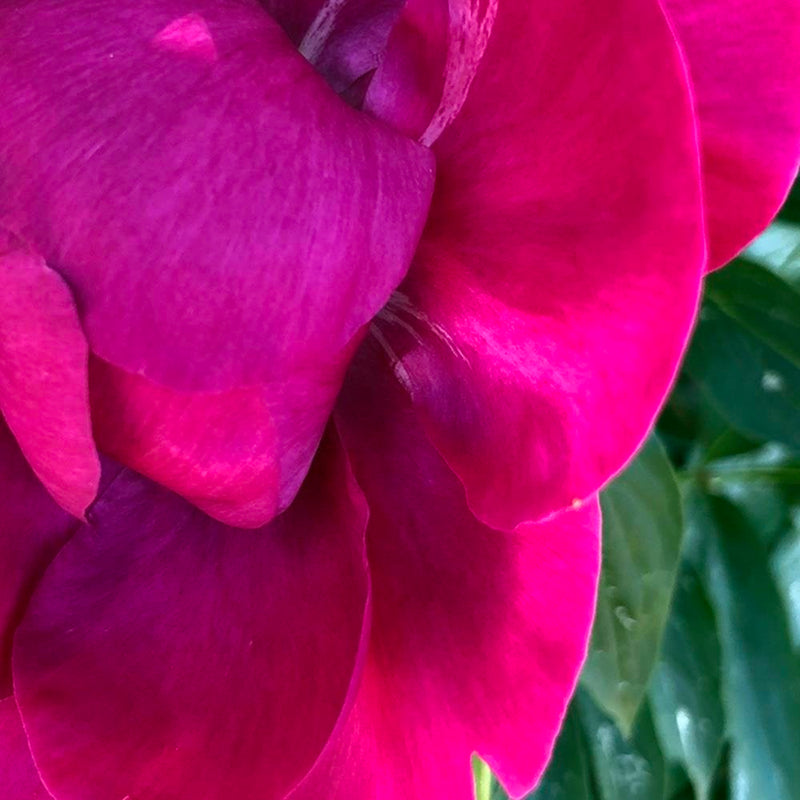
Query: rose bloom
{"x": 321, "y": 326}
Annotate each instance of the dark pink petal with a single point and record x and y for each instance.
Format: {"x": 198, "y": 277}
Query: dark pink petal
{"x": 744, "y": 61}
{"x": 478, "y": 635}
{"x": 44, "y": 387}
{"x": 19, "y": 779}
{"x": 295, "y": 16}
{"x": 256, "y": 221}
{"x": 407, "y": 86}
{"x": 348, "y": 40}
{"x": 224, "y": 220}
{"x": 167, "y": 656}
{"x": 554, "y": 289}
{"x": 388, "y": 57}
{"x": 32, "y": 530}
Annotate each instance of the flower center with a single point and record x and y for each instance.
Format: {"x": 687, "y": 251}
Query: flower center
{"x": 409, "y": 63}
{"x": 347, "y": 42}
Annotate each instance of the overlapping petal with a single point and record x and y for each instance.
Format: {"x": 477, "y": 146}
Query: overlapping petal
{"x": 44, "y": 384}
{"x": 407, "y": 86}
{"x": 18, "y": 776}
{"x": 347, "y": 39}
{"x": 166, "y": 434}
{"x": 294, "y": 16}
{"x": 744, "y": 62}
{"x": 164, "y": 655}
{"x": 556, "y": 283}
{"x": 32, "y": 530}
{"x": 477, "y": 636}
{"x": 223, "y": 218}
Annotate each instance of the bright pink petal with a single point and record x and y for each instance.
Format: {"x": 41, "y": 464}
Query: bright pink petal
{"x": 166, "y": 656}
{"x": 230, "y": 453}
{"x": 167, "y": 435}
{"x": 44, "y": 386}
{"x": 744, "y": 61}
{"x": 225, "y": 222}
{"x": 32, "y": 530}
{"x": 407, "y": 86}
{"x": 555, "y": 286}
{"x": 19, "y": 779}
{"x": 478, "y": 635}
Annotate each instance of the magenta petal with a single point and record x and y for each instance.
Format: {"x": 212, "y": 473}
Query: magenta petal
{"x": 220, "y": 223}
{"x": 555, "y": 286}
{"x": 349, "y": 39}
{"x": 44, "y": 386}
{"x": 478, "y": 635}
{"x": 167, "y": 656}
{"x": 19, "y": 779}
{"x": 407, "y": 86}
{"x": 216, "y": 449}
{"x": 32, "y": 530}
{"x": 295, "y": 16}
{"x": 744, "y": 61}
{"x": 224, "y": 219}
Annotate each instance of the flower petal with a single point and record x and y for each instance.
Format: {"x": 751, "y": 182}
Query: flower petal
{"x": 44, "y": 386}
{"x": 294, "y": 16}
{"x": 478, "y": 635}
{"x": 347, "y": 40}
{"x": 407, "y": 86}
{"x": 166, "y": 656}
{"x": 554, "y": 289}
{"x": 744, "y": 61}
{"x": 18, "y": 775}
{"x": 224, "y": 219}
{"x": 229, "y": 453}
{"x": 32, "y": 530}
{"x": 216, "y": 449}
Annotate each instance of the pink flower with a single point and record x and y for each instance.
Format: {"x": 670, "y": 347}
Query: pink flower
{"x": 400, "y": 317}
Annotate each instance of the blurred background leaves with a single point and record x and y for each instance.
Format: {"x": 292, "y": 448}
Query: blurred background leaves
{"x": 691, "y": 690}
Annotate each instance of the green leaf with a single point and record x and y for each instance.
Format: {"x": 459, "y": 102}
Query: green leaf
{"x": 761, "y": 672}
{"x": 568, "y": 776}
{"x": 685, "y": 690}
{"x": 483, "y": 778}
{"x": 778, "y": 249}
{"x": 676, "y": 783}
{"x": 764, "y": 483}
{"x": 786, "y": 568}
{"x": 625, "y": 768}
{"x": 642, "y": 525}
{"x": 752, "y": 385}
{"x": 762, "y": 302}
{"x": 689, "y": 424}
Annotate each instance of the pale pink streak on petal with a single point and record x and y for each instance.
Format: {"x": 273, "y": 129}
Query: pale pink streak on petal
{"x": 189, "y": 34}
{"x": 471, "y": 25}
